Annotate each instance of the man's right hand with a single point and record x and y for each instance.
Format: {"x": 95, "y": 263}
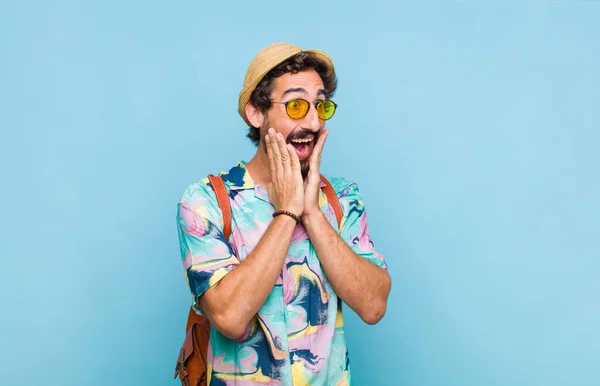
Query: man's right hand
{"x": 286, "y": 190}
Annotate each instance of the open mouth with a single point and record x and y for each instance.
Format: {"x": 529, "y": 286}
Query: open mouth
{"x": 303, "y": 147}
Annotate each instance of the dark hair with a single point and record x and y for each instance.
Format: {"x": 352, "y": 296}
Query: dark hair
{"x": 261, "y": 96}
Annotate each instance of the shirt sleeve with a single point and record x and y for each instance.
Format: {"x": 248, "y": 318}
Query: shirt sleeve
{"x": 207, "y": 257}
{"x": 354, "y": 229}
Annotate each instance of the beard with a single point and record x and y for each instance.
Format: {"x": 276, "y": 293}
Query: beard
{"x": 305, "y": 168}
{"x": 298, "y": 133}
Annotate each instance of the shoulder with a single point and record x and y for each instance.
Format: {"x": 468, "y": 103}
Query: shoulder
{"x": 200, "y": 199}
{"x": 344, "y": 188}
{"x": 197, "y": 192}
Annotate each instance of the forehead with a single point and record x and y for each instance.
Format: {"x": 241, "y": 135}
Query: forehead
{"x": 308, "y": 80}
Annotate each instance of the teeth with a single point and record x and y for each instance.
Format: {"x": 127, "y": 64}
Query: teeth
{"x": 306, "y": 140}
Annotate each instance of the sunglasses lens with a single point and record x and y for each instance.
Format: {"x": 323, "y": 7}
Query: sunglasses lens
{"x": 325, "y": 109}
{"x": 297, "y": 108}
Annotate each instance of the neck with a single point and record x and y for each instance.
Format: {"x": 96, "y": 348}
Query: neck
{"x": 259, "y": 168}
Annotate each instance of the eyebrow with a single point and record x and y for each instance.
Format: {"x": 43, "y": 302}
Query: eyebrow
{"x": 303, "y": 91}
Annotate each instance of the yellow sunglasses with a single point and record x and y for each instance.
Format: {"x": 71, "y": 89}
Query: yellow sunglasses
{"x": 298, "y": 108}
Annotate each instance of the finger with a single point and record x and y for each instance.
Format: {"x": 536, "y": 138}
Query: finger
{"x": 285, "y": 155}
{"x": 294, "y": 160}
{"x": 270, "y": 154}
{"x": 276, "y": 154}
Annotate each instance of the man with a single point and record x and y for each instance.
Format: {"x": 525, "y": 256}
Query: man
{"x": 273, "y": 291}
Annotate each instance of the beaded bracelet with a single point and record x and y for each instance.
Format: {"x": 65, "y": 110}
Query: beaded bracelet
{"x": 295, "y": 217}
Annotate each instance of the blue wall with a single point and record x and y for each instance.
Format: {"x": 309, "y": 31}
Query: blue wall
{"x": 472, "y": 129}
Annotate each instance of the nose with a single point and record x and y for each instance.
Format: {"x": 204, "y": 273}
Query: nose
{"x": 311, "y": 120}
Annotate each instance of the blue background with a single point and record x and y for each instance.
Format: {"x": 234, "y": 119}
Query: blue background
{"x": 471, "y": 128}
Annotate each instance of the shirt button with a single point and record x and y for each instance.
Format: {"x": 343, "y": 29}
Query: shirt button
{"x": 289, "y": 307}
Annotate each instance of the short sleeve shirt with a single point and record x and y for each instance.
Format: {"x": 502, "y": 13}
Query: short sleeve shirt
{"x": 297, "y": 336}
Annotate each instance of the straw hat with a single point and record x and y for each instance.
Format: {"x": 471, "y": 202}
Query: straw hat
{"x": 268, "y": 58}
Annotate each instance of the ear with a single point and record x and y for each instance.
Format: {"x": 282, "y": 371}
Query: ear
{"x": 254, "y": 115}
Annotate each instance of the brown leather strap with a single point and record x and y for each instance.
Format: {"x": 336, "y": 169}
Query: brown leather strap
{"x": 224, "y": 204}
{"x": 193, "y": 318}
{"x": 333, "y": 200}
{"x": 180, "y": 370}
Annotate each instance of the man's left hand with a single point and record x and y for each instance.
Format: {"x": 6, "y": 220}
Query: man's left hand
{"x": 312, "y": 184}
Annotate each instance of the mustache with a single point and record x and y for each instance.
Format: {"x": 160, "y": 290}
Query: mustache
{"x": 302, "y": 134}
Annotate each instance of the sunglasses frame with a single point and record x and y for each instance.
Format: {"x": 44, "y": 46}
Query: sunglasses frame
{"x": 314, "y": 104}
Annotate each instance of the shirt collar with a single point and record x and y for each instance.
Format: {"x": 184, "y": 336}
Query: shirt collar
{"x": 238, "y": 178}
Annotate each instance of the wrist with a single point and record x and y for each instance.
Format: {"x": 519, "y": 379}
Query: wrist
{"x": 288, "y": 214}
{"x": 312, "y": 217}
{"x": 284, "y": 222}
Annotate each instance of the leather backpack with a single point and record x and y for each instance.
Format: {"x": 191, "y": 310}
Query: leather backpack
{"x": 192, "y": 361}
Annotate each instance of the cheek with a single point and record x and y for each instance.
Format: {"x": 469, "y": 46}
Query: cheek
{"x": 283, "y": 125}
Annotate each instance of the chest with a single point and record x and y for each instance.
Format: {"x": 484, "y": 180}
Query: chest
{"x": 251, "y": 217}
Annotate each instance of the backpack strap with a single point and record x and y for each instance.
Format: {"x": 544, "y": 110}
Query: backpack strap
{"x": 223, "y": 201}
{"x": 332, "y": 199}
